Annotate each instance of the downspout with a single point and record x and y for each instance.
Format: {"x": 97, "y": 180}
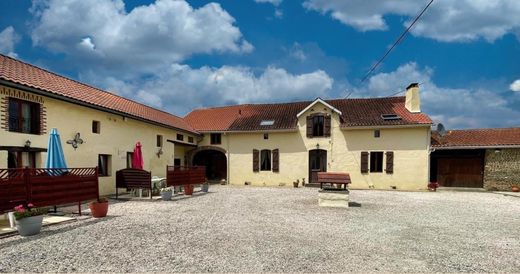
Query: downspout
{"x": 227, "y": 158}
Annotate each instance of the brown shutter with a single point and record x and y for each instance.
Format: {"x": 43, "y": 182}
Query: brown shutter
{"x": 256, "y": 160}
{"x": 276, "y": 160}
{"x": 389, "y": 162}
{"x": 364, "y": 162}
{"x": 309, "y": 126}
{"x": 327, "y": 126}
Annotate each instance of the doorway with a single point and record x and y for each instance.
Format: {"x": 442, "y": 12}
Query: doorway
{"x": 317, "y": 163}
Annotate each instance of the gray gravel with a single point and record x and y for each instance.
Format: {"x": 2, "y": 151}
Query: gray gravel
{"x": 248, "y": 229}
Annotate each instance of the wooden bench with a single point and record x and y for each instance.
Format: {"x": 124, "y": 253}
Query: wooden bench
{"x": 334, "y": 178}
{"x": 134, "y": 178}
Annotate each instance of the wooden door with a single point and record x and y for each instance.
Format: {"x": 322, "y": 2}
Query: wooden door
{"x": 460, "y": 172}
{"x": 317, "y": 163}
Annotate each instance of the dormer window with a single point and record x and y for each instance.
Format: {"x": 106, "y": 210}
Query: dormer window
{"x": 318, "y": 125}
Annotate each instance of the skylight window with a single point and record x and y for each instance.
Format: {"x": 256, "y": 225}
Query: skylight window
{"x": 267, "y": 123}
{"x": 390, "y": 117}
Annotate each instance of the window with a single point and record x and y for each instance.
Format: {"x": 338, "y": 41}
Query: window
{"x": 129, "y": 157}
{"x": 180, "y": 137}
{"x": 266, "y": 136}
{"x": 96, "y": 127}
{"x": 216, "y": 138}
{"x": 377, "y": 133}
{"x": 390, "y": 117}
{"x": 376, "y": 161}
{"x": 19, "y": 159}
{"x": 24, "y": 116}
{"x": 317, "y": 125}
{"x": 190, "y": 139}
{"x": 267, "y": 122}
{"x": 265, "y": 159}
{"x": 104, "y": 165}
{"x": 159, "y": 141}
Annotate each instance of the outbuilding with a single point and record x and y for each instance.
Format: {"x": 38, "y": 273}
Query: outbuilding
{"x": 476, "y": 158}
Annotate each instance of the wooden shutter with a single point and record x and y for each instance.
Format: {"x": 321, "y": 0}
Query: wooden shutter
{"x": 364, "y": 162}
{"x": 326, "y": 126}
{"x": 276, "y": 160}
{"x": 389, "y": 162}
{"x": 309, "y": 126}
{"x": 256, "y": 160}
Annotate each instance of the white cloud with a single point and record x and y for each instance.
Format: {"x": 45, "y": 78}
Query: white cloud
{"x": 446, "y": 20}
{"x": 274, "y": 2}
{"x": 515, "y": 86}
{"x": 180, "y": 88}
{"x": 8, "y": 39}
{"x": 454, "y": 107}
{"x": 146, "y": 37}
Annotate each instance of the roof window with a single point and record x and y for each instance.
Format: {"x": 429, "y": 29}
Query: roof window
{"x": 267, "y": 123}
{"x": 390, "y": 117}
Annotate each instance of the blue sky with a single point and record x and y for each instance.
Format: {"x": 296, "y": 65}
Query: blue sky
{"x": 177, "y": 55}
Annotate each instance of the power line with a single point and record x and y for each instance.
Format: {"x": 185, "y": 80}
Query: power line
{"x": 401, "y": 37}
{"x": 401, "y": 91}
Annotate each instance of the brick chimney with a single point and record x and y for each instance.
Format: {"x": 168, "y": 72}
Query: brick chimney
{"x": 413, "y": 100}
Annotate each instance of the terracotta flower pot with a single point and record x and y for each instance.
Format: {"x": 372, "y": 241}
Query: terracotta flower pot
{"x": 98, "y": 209}
{"x": 515, "y": 189}
{"x": 295, "y": 184}
{"x": 188, "y": 190}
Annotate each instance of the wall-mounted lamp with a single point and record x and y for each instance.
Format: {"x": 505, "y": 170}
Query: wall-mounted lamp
{"x": 27, "y": 144}
{"x": 159, "y": 152}
{"x": 497, "y": 150}
{"x": 317, "y": 145}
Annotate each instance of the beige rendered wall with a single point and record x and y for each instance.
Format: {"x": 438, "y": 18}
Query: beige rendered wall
{"x": 118, "y": 136}
{"x": 410, "y": 147}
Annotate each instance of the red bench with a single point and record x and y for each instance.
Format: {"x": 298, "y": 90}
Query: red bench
{"x": 334, "y": 178}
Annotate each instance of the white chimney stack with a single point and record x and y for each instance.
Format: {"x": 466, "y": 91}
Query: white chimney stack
{"x": 413, "y": 100}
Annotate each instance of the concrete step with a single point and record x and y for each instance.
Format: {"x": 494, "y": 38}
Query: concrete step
{"x": 466, "y": 189}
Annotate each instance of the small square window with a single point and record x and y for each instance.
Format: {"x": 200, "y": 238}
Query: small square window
{"x": 216, "y": 138}
{"x": 159, "y": 141}
{"x": 266, "y": 136}
{"x": 104, "y": 165}
{"x": 180, "y": 137}
{"x": 377, "y": 133}
{"x": 96, "y": 127}
{"x": 190, "y": 139}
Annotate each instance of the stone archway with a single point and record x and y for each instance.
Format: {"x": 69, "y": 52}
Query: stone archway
{"x": 213, "y": 158}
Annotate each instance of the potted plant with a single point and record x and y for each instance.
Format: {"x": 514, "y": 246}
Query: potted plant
{"x": 29, "y": 219}
{"x": 99, "y": 208}
{"x": 188, "y": 189}
{"x": 432, "y": 186}
{"x": 515, "y": 188}
{"x": 205, "y": 187}
{"x": 166, "y": 193}
{"x": 296, "y": 183}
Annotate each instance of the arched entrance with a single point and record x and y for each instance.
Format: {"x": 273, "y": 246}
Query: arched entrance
{"x": 214, "y": 161}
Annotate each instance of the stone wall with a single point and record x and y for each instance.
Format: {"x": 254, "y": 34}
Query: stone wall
{"x": 502, "y": 169}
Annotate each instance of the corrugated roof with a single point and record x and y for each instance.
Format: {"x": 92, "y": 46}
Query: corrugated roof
{"x": 31, "y": 76}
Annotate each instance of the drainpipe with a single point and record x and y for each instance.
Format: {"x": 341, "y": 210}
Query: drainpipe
{"x": 227, "y": 158}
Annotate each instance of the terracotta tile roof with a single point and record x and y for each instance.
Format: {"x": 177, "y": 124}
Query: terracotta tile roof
{"x": 355, "y": 112}
{"x": 486, "y": 137}
{"x": 28, "y": 75}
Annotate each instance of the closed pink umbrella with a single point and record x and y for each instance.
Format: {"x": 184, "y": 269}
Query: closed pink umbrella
{"x": 137, "y": 158}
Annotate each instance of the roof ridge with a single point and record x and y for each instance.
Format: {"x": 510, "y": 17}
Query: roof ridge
{"x": 88, "y": 85}
{"x": 491, "y": 128}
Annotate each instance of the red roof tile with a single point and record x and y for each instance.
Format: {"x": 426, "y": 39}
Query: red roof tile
{"x": 28, "y": 75}
{"x": 487, "y": 137}
{"x": 355, "y": 112}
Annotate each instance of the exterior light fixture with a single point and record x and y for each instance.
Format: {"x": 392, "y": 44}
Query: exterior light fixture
{"x": 317, "y": 145}
{"x": 159, "y": 152}
{"x": 27, "y": 144}
{"x": 497, "y": 150}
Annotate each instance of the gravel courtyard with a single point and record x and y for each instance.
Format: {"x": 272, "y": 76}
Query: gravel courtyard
{"x": 249, "y": 229}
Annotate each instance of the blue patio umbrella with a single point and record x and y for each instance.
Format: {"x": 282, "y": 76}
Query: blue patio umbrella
{"x": 55, "y": 158}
